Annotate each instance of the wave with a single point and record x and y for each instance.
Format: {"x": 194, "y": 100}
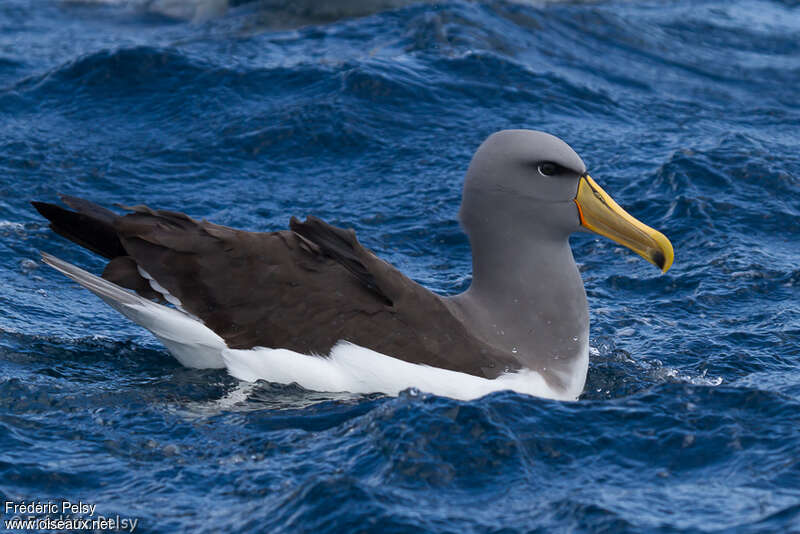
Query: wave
{"x": 282, "y": 13}
{"x": 194, "y": 10}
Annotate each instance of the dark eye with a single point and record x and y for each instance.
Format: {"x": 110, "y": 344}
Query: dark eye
{"x": 549, "y": 168}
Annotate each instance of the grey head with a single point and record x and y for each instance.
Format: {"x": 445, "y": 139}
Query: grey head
{"x": 525, "y": 192}
{"x": 526, "y": 178}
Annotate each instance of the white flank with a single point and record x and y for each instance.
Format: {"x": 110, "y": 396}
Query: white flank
{"x": 357, "y": 369}
{"x": 349, "y": 367}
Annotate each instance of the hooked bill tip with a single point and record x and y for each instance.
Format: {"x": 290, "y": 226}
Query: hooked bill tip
{"x": 658, "y": 258}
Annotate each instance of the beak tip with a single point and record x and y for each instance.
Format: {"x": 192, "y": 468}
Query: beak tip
{"x": 658, "y": 258}
{"x": 663, "y": 259}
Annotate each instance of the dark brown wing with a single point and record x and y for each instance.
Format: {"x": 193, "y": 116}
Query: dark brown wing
{"x": 302, "y": 289}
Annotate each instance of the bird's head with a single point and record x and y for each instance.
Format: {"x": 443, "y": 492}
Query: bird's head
{"x": 524, "y": 181}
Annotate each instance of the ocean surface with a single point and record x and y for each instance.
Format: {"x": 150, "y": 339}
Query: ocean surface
{"x": 366, "y": 114}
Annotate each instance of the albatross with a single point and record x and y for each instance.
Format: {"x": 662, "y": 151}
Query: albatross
{"x": 310, "y": 305}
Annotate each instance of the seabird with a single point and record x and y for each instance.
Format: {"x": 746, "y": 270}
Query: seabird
{"x": 311, "y": 305}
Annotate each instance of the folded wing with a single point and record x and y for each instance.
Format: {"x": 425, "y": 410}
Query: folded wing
{"x": 302, "y": 289}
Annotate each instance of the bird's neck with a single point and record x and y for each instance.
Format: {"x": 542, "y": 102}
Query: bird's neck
{"x": 528, "y": 299}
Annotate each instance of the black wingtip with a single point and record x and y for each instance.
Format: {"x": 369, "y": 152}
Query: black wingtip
{"x": 90, "y": 227}
{"x": 46, "y": 210}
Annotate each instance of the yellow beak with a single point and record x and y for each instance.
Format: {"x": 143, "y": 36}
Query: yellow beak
{"x": 599, "y": 213}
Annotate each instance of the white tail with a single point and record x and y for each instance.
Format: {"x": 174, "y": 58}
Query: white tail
{"x": 191, "y": 342}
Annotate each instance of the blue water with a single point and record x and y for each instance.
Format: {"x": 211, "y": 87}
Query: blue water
{"x": 687, "y": 112}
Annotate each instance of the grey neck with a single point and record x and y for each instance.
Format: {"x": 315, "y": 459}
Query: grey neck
{"x": 527, "y": 298}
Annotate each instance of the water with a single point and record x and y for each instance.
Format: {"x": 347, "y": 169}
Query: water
{"x": 366, "y": 116}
